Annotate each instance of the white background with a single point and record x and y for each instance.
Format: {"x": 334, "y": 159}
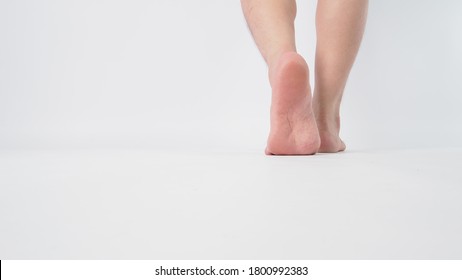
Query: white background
{"x": 150, "y": 74}
{"x": 136, "y": 130}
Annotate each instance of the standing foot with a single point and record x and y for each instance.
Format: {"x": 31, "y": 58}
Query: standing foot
{"x": 330, "y": 142}
{"x": 329, "y": 129}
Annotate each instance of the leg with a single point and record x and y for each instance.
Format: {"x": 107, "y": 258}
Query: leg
{"x": 339, "y": 26}
{"x": 293, "y": 126}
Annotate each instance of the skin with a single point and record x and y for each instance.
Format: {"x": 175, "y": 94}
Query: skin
{"x": 302, "y": 124}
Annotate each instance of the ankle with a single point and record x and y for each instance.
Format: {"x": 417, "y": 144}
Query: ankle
{"x": 327, "y": 121}
{"x": 327, "y": 113}
{"x": 274, "y": 60}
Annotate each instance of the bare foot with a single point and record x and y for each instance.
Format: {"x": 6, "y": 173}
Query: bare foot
{"x": 329, "y": 128}
{"x": 293, "y": 126}
{"x": 330, "y": 142}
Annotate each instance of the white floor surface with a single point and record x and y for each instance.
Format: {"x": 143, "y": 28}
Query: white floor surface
{"x": 147, "y": 204}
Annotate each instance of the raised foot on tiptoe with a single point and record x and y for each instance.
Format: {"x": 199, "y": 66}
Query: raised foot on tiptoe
{"x": 293, "y": 128}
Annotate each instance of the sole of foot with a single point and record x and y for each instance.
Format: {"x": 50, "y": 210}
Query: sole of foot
{"x": 293, "y": 129}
